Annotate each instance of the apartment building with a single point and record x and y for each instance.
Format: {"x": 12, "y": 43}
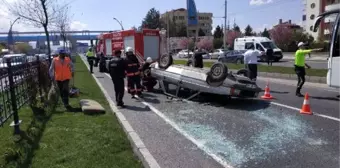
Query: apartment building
{"x": 179, "y": 16}
{"x": 290, "y": 25}
{"x": 312, "y": 8}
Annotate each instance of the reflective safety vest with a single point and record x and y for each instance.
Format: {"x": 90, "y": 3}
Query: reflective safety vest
{"x": 90, "y": 54}
{"x": 132, "y": 68}
{"x": 62, "y": 71}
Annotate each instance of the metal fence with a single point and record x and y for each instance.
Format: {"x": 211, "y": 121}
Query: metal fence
{"x": 21, "y": 84}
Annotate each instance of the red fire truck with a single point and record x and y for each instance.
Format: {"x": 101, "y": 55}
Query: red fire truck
{"x": 145, "y": 42}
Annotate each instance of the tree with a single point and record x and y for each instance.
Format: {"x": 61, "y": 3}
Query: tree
{"x": 185, "y": 42}
{"x": 39, "y": 13}
{"x": 201, "y": 32}
{"x": 282, "y": 36}
{"x": 265, "y": 33}
{"x": 231, "y": 36}
{"x": 248, "y": 31}
{"x": 182, "y": 30}
{"x": 22, "y": 48}
{"x": 205, "y": 43}
{"x": 152, "y": 19}
{"x": 218, "y": 42}
{"x": 218, "y": 33}
{"x": 63, "y": 24}
{"x": 236, "y": 28}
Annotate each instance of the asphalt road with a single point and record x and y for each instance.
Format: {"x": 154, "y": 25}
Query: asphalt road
{"x": 216, "y": 132}
{"x": 319, "y": 64}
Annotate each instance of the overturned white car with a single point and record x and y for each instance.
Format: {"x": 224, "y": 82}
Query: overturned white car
{"x": 217, "y": 80}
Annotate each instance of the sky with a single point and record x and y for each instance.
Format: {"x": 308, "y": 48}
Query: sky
{"x": 98, "y": 14}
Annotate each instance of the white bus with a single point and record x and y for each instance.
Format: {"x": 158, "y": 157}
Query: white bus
{"x": 333, "y": 74}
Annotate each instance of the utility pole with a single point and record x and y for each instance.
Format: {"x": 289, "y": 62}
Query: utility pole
{"x": 225, "y": 25}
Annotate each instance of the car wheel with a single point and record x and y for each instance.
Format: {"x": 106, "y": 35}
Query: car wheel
{"x": 243, "y": 72}
{"x": 165, "y": 61}
{"x": 217, "y": 74}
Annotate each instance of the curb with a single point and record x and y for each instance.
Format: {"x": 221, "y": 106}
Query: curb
{"x": 138, "y": 146}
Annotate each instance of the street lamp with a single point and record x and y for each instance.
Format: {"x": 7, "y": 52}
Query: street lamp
{"x": 119, "y": 22}
{"x": 10, "y": 40}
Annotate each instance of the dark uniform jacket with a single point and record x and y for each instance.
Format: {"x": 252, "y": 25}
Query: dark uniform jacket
{"x": 198, "y": 59}
{"x": 117, "y": 67}
{"x": 132, "y": 66}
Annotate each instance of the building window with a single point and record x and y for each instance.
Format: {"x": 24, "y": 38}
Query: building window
{"x": 311, "y": 28}
{"x": 312, "y": 5}
{"x": 312, "y": 17}
{"x": 303, "y": 17}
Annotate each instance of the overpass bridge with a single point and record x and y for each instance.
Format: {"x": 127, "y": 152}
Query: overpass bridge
{"x": 54, "y": 35}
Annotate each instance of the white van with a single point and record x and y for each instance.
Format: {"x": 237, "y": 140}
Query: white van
{"x": 261, "y": 44}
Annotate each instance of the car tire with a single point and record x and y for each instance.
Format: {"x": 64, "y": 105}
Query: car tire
{"x": 243, "y": 72}
{"x": 217, "y": 74}
{"x": 165, "y": 61}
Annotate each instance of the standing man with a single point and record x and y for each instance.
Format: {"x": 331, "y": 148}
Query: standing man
{"x": 61, "y": 70}
{"x": 198, "y": 58}
{"x": 270, "y": 56}
{"x": 250, "y": 61}
{"x": 90, "y": 58}
{"x": 117, "y": 68}
{"x": 133, "y": 73}
{"x": 300, "y": 64}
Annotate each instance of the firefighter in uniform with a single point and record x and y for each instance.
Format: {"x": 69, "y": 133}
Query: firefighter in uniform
{"x": 148, "y": 81}
{"x": 117, "y": 68}
{"x": 133, "y": 73}
{"x": 61, "y": 70}
{"x": 90, "y": 58}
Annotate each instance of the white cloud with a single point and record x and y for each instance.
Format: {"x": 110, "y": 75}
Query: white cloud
{"x": 260, "y": 2}
{"x": 6, "y": 18}
{"x": 77, "y": 25}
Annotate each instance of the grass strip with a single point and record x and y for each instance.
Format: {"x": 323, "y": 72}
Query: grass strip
{"x": 68, "y": 139}
{"x": 269, "y": 69}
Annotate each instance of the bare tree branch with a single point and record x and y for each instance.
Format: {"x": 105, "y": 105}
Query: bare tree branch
{"x": 39, "y": 13}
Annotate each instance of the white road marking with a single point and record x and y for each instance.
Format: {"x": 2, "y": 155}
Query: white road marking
{"x": 144, "y": 154}
{"x": 297, "y": 109}
{"x": 293, "y": 108}
{"x": 185, "y": 134}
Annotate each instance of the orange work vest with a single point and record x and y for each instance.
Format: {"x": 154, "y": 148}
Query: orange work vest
{"x": 62, "y": 71}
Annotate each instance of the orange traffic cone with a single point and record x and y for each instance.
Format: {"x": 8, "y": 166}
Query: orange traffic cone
{"x": 306, "y": 107}
{"x": 267, "y": 93}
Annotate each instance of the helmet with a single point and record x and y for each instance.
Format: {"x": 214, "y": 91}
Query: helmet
{"x": 62, "y": 51}
{"x": 149, "y": 60}
{"x": 128, "y": 49}
{"x": 301, "y": 44}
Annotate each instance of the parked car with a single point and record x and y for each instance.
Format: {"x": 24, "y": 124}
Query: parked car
{"x": 17, "y": 59}
{"x": 207, "y": 55}
{"x": 235, "y": 56}
{"x": 184, "y": 54}
{"x": 218, "y": 52}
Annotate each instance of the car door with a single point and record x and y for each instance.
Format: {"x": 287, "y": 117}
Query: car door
{"x": 229, "y": 57}
{"x": 334, "y": 59}
{"x": 333, "y": 74}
